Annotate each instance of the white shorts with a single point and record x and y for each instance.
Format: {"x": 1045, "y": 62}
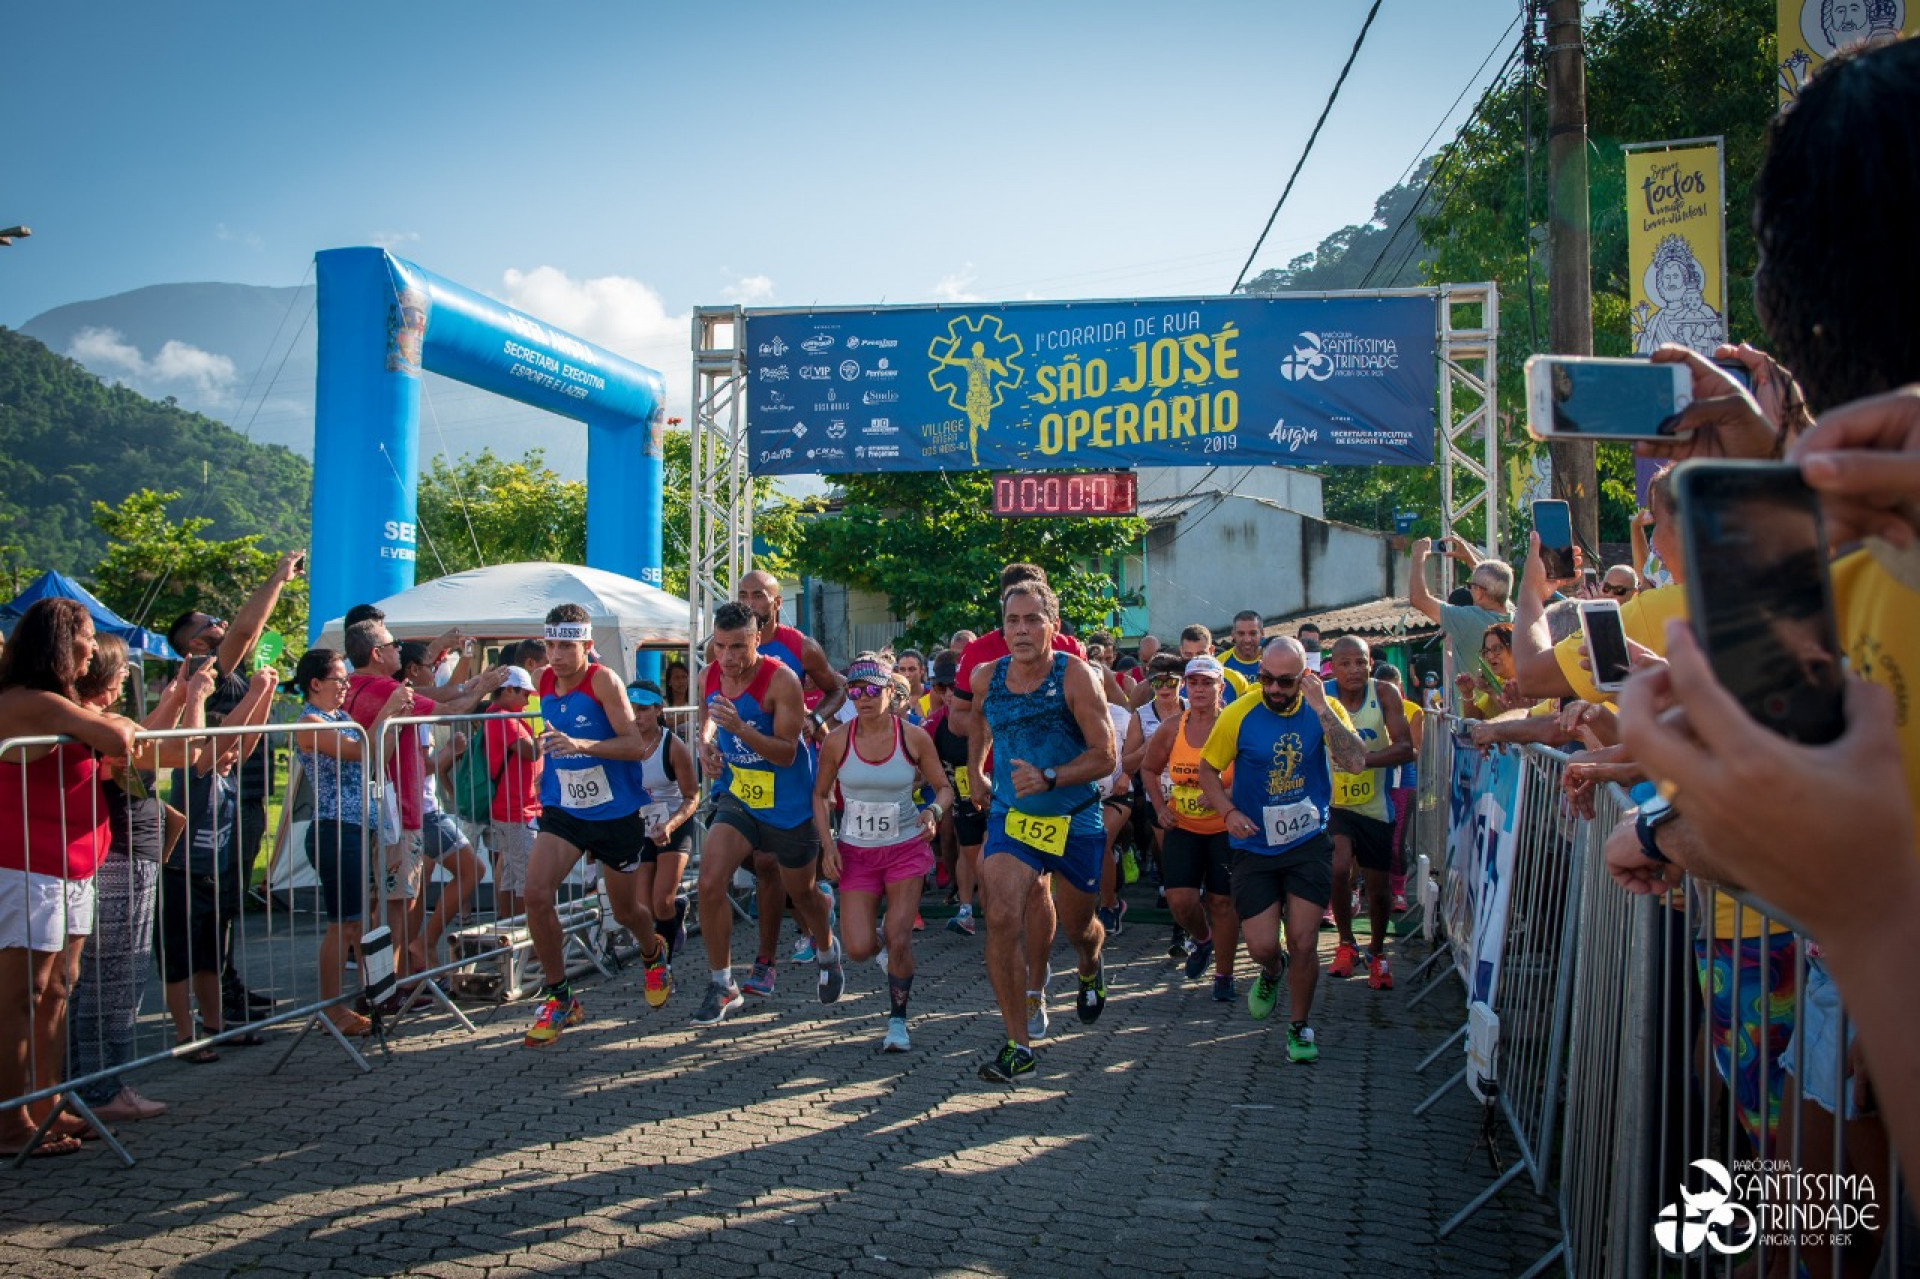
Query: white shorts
{"x": 512, "y": 845}
{"x": 41, "y": 912}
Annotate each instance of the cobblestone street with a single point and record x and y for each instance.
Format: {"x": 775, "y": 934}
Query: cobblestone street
{"x": 1172, "y": 1137}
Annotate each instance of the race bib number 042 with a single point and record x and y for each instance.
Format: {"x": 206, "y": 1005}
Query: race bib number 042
{"x": 584, "y": 787}
{"x": 1048, "y": 834}
{"x": 752, "y": 786}
{"x": 1290, "y": 823}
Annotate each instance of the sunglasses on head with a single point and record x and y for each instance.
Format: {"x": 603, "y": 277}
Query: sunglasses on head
{"x": 1279, "y": 681}
{"x": 857, "y": 692}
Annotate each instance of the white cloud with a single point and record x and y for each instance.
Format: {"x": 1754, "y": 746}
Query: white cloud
{"x": 393, "y": 239}
{"x": 179, "y": 366}
{"x": 957, "y": 286}
{"x": 618, "y": 312}
{"x": 749, "y": 290}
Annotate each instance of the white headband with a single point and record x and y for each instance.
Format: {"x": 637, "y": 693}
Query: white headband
{"x": 567, "y": 631}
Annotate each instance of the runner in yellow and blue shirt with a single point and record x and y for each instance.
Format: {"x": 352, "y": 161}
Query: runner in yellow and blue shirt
{"x": 1282, "y": 746}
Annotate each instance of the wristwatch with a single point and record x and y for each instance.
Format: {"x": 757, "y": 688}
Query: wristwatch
{"x": 1052, "y": 775}
{"x": 1654, "y": 813}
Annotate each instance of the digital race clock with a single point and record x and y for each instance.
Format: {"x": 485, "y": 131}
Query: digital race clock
{"x": 1017, "y": 493}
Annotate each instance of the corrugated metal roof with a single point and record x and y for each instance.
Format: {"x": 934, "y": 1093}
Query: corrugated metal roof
{"x": 1389, "y": 617}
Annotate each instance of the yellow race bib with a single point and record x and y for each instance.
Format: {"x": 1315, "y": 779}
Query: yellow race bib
{"x": 963, "y": 782}
{"x": 752, "y": 786}
{"x": 1189, "y": 802}
{"x": 1048, "y": 834}
{"x": 1353, "y": 790}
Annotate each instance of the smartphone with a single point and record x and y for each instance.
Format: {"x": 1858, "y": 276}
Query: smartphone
{"x": 1606, "y": 642}
{"x": 1759, "y": 595}
{"x": 1441, "y": 546}
{"x": 1737, "y": 371}
{"x": 1553, "y": 521}
{"x": 1577, "y": 397}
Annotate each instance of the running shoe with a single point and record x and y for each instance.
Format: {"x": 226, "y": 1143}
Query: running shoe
{"x": 1301, "y": 1047}
{"x": 720, "y": 1001}
{"x": 760, "y": 983}
{"x": 803, "y": 950}
{"x": 1129, "y": 867}
{"x": 1262, "y": 995}
{"x": 1036, "y": 1014}
{"x": 1399, "y": 903}
{"x": 681, "y": 908}
{"x": 1093, "y": 995}
{"x": 962, "y": 924}
{"x": 896, "y": 1040}
{"x": 1379, "y": 976}
{"x": 1109, "y": 917}
{"x": 1222, "y": 988}
{"x": 1177, "y": 947}
{"x": 1008, "y": 1064}
{"x": 1344, "y": 958}
{"x": 657, "y": 983}
{"x": 1199, "y": 958}
{"x": 555, "y": 1015}
{"x": 833, "y": 977}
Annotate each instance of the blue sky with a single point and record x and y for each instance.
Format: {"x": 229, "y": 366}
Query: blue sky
{"x": 614, "y": 165}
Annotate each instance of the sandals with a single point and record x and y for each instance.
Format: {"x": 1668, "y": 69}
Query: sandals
{"x": 198, "y": 1057}
{"x": 246, "y": 1039}
{"x": 49, "y": 1146}
{"x": 351, "y": 1024}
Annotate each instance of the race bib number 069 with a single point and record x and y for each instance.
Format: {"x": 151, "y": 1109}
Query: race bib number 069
{"x": 752, "y": 786}
{"x": 1290, "y": 823}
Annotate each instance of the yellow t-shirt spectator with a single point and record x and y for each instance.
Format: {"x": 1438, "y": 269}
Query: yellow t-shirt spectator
{"x": 1644, "y": 618}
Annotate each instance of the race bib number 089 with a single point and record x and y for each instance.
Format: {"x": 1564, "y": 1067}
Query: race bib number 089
{"x": 1048, "y": 834}
{"x": 752, "y": 786}
{"x": 1290, "y": 823}
{"x": 584, "y": 787}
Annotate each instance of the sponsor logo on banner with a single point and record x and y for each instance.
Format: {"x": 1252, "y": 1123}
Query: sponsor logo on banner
{"x": 880, "y": 426}
{"x": 1371, "y": 437}
{"x": 882, "y": 371}
{"x": 1336, "y": 354}
{"x": 836, "y": 429}
{"x": 815, "y": 372}
{"x": 777, "y": 373}
{"x": 775, "y": 455}
{"x": 776, "y": 403}
{"x": 850, "y": 369}
{"x": 1292, "y": 438}
{"x": 775, "y": 348}
{"x": 880, "y": 344}
{"x": 816, "y": 344}
{"x": 879, "y": 397}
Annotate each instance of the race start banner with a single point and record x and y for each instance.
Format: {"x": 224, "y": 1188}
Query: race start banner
{"x": 1811, "y": 31}
{"x": 1483, "y": 836}
{"x": 1068, "y": 386}
{"x": 1676, "y": 233}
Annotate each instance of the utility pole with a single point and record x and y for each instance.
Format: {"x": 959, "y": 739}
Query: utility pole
{"x": 1569, "y": 248}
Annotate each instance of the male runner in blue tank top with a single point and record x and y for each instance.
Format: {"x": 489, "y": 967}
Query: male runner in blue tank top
{"x": 590, "y": 801}
{"x": 1282, "y": 746}
{"x": 1045, "y": 716}
{"x": 750, "y": 724}
{"x": 759, "y": 590}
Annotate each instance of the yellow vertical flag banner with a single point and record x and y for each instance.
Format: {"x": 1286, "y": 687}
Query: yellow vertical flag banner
{"x": 1811, "y": 31}
{"x": 1676, "y": 229}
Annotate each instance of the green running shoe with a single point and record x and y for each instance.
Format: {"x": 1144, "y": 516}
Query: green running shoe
{"x": 1262, "y": 994}
{"x": 1301, "y": 1048}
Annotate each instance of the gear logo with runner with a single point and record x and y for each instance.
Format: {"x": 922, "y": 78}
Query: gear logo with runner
{"x": 1710, "y": 1217}
{"x": 975, "y": 364}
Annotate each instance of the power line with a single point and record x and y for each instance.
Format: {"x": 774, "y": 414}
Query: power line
{"x": 1308, "y": 150}
{"x": 1439, "y": 170}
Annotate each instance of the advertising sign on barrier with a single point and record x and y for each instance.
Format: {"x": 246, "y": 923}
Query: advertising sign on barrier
{"x": 1483, "y": 811}
{"x": 1057, "y": 386}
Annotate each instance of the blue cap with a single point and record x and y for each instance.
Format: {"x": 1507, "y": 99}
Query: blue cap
{"x": 639, "y": 695}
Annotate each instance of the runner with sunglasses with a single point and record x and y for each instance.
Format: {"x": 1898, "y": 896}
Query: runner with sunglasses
{"x": 1281, "y": 747}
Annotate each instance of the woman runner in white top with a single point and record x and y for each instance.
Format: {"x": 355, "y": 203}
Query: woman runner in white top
{"x": 673, "y": 794}
{"x": 882, "y": 847}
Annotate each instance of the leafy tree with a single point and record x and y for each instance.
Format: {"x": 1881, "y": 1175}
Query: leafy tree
{"x": 1369, "y": 255}
{"x": 157, "y": 568}
{"x": 929, "y": 544}
{"x": 487, "y": 510}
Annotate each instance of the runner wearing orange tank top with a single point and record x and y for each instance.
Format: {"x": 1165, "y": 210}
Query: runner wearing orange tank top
{"x": 1196, "y": 857}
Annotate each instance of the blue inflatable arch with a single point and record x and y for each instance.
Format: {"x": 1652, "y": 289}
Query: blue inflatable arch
{"x": 382, "y": 321}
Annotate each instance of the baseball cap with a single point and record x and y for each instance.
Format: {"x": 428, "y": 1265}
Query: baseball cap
{"x": 870, "y": 670}
{"x": 1208, "y": 666}
{"x": 517, "y": 677}
{"x": 946, "y": 671}
{"x": 644, "y": 692}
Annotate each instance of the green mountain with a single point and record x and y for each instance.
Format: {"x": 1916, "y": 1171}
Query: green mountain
{"x": 68, "y": 440}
